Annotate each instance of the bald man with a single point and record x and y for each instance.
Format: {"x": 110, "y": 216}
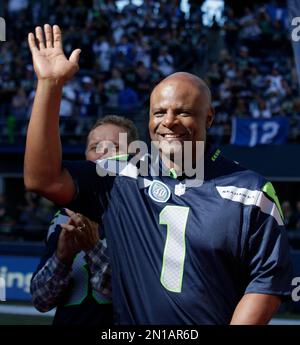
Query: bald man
{"x": 183, "y": 251}
{"x": 180, "y": 112}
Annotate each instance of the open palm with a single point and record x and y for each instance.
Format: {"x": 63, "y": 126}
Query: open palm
{"x": 48, "y": 57}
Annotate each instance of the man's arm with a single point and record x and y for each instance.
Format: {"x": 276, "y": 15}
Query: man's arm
{"x": 96, "y": 252}
{"x": 49, "y": 284}
{"x": 42, "y": 166}
{"x": 266, "y": 258}
{"x": 53, "y": 275}
{"x": 255, "y": 309}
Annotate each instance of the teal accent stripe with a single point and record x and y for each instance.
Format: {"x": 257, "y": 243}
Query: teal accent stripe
{"x": 216, "y": 155}
{"x": 173, "y": 173}
{"x": 119, "y": 157}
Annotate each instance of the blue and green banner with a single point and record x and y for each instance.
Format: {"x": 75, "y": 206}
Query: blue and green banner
{"x": 253, "y": 132}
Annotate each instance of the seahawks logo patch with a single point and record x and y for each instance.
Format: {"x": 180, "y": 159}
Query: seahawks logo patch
{"x": 159, "y": 192}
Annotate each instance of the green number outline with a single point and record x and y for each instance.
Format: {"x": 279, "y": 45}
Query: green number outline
{"x": 94, "y": 293}
{"x": 85, "y": 272}
{"x": 162, "y": 222}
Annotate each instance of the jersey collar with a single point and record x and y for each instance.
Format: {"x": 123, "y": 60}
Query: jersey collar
{"x": 210, "y": 157}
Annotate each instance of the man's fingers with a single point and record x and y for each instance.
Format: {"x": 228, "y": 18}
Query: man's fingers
{"x": 85, "y": 230}
{"x": 81, "y": 236}
{"x": 31, "y": 43}
{"x": 57, "y": 37}
{"x": 48, "y": 36}
{"x": 70, "y": 214}
{"x": 75, "y": 219}
{"x": 75, "y": 56}
{"x": 39, "y": 36}
{"x": 68, "y": 227}
{"x": 91, "y": 231}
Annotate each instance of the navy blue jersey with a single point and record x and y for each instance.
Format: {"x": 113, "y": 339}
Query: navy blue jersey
{"x": 183, "y": 253}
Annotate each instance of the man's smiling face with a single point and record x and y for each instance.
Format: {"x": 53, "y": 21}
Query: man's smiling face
{"x": 179, "y": 111}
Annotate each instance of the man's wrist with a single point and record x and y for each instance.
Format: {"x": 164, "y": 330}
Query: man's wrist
{"x": 95, "y": 248}
{"x": 53, "y": 84}
{"x": 58, "y": 268}
{"x": 65, "y": 260}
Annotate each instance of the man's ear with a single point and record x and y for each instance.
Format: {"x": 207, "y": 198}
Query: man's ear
{"x": 210, "y": 117}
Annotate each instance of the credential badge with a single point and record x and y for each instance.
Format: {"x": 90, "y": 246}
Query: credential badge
{"x": 159, "y": 192}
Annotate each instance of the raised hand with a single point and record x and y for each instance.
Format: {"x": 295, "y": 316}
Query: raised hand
{"x": 49, "y": 60}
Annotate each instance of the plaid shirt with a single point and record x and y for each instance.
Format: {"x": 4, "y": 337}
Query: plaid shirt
{"x": 99, "y": 265}
{"x": 50, "y": 282}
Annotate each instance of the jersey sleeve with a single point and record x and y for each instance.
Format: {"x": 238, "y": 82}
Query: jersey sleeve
{"x": 92, "y": 190}
{"x": 267, "y": 255}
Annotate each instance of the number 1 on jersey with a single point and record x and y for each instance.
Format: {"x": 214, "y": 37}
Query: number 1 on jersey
{"x": 175, "y": 217}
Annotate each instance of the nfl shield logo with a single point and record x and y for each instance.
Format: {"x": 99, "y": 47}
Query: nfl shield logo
{"x": 180, "y": 189}
{"x": 159, "y": 192}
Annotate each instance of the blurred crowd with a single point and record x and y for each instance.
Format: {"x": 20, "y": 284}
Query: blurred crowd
{"x": 28, "y": 220}
{"x": 246, "y": 60}
{"x": 291, "y": 213}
